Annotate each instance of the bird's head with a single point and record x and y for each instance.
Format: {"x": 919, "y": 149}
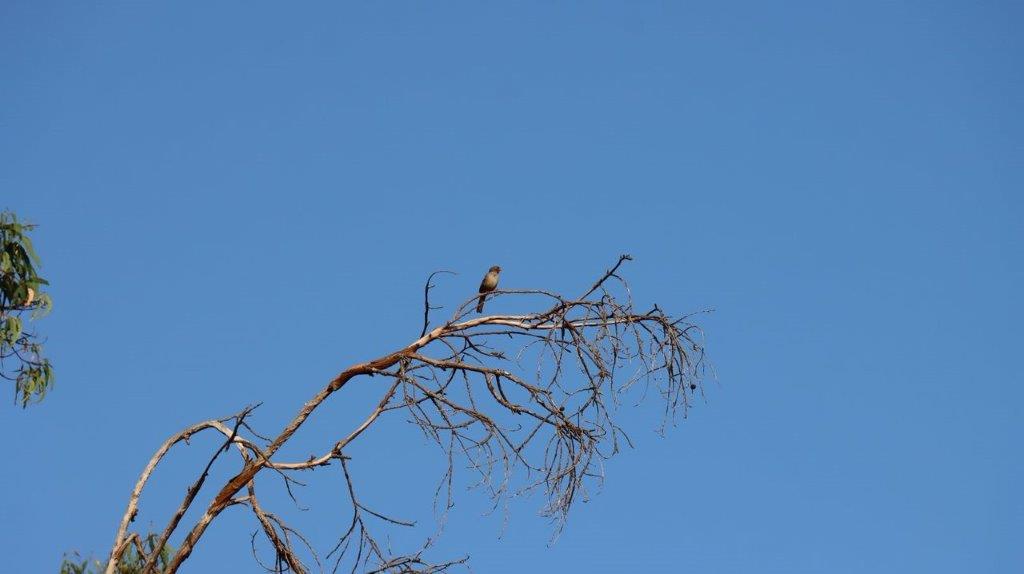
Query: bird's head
{"x": 495, "y": 269}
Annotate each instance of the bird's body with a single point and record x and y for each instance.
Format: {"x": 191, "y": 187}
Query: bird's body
{"x": 489, "y": 283}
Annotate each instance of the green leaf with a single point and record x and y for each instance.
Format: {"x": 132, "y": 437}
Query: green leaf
{"x": 13, "y": 328}
{"x": 31, "y": 373}
{"x": 26, "y": 242}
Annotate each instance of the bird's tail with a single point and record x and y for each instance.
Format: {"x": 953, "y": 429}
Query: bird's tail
{"x": 480, "y": 305}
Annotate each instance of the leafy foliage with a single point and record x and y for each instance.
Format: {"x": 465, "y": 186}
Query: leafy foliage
{"x": 21, "y": 352}
{"x": 131, "y": 563}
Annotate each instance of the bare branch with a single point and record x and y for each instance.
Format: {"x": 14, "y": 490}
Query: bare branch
{"x": 464, "y": 384}
{"x": 426, "y": 299}
{"x": 121, "y": 541}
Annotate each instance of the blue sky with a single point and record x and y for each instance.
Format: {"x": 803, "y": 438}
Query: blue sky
{"x": 238, "y": 200}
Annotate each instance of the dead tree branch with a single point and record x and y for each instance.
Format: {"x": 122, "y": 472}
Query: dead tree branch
{"x": 463, "y": 383}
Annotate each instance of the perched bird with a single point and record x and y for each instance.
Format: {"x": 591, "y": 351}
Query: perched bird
{"x": 490, "y": 283}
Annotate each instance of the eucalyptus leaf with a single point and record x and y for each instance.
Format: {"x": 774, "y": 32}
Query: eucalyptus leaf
{"x": 20, "y": 293}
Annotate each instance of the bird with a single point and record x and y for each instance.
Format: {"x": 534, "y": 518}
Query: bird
{"x": 489, "y": 283}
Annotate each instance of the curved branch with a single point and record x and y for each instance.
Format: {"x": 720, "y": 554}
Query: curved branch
{"x": 597, "y": 335}
{"x": 120, "y": 541}
{"x": 426, "y": 299}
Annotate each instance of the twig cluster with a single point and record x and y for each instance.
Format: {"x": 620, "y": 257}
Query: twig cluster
{"x": 551, "y": 428}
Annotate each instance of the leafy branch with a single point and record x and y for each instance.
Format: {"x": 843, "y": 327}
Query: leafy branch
{"x": 21, "y": 351}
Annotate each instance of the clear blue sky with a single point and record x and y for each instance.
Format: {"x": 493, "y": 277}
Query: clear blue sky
{"x": 238, "y": 199}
